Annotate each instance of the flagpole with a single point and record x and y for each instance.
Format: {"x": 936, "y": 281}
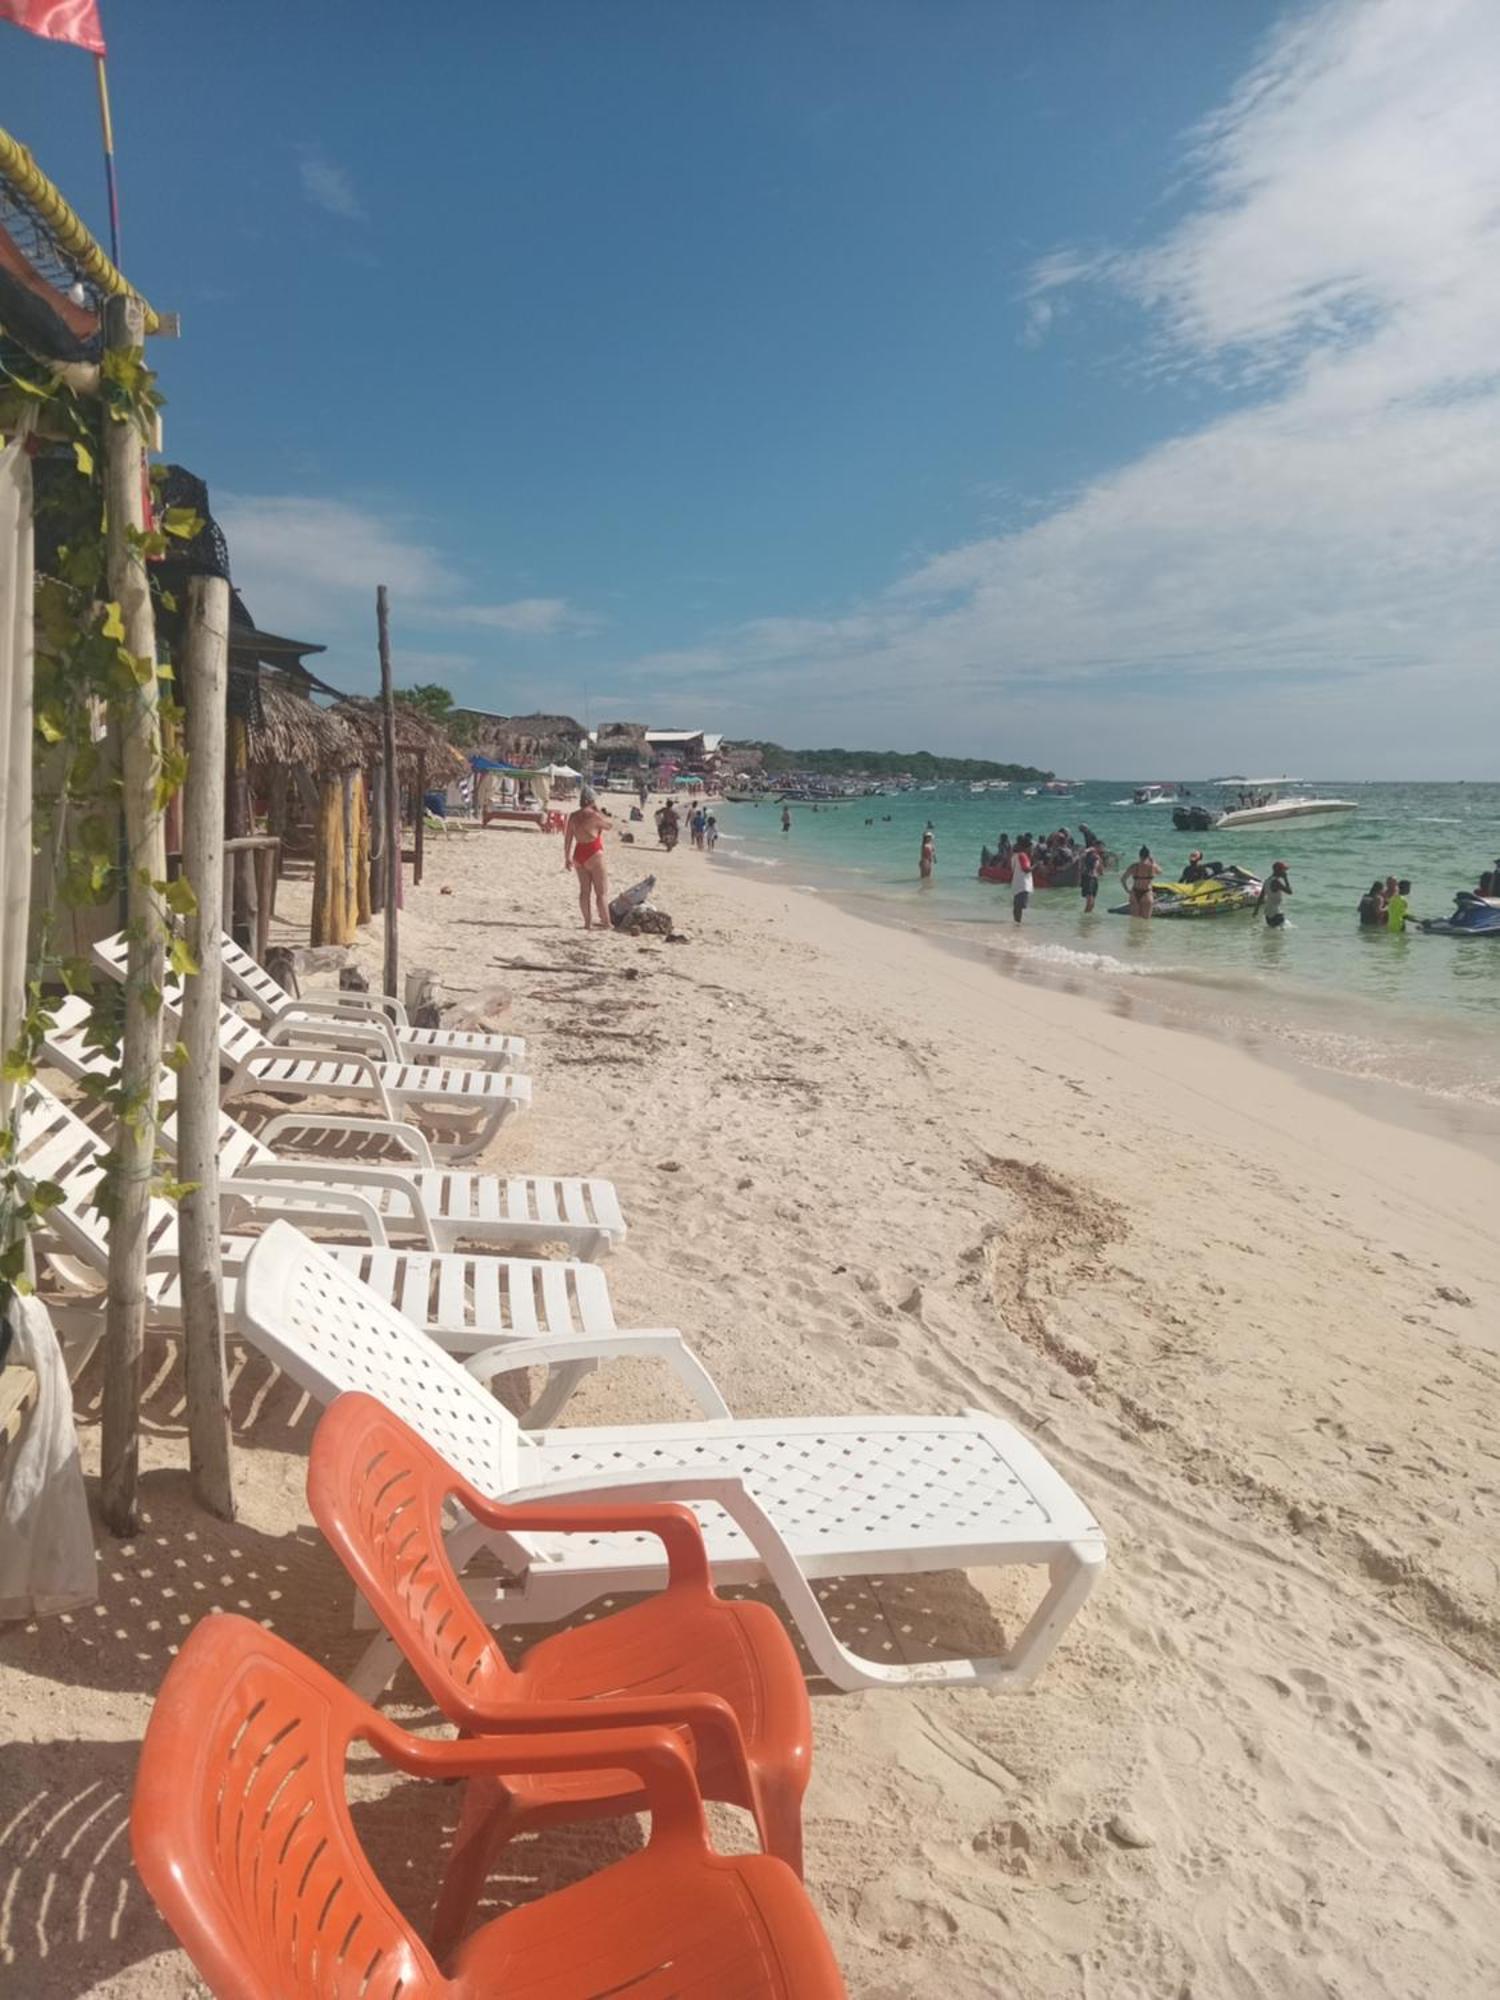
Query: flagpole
{"x": 107, "y": 126}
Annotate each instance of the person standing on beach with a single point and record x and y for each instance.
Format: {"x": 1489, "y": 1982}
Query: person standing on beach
{"x": 1090, "y": 868}
{"x": 927, "y": 857}
{"x": 710, "y": 833}
{"x": 1274, "y": 892}
{"x": 1137, "y": 879}
{"x": 583, "y": 850}
{"x": 1021, "y": 878}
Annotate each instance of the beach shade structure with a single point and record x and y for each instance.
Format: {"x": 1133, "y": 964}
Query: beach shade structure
{"x": 440, "y": 1207}
{"x": 373, "y": 1022}
{"x": 724, "y": 1672}
{"x": 470, "y": 1105}
{"x": 785, "y": 1499}
{"x": 503, "y": 1314}
{"x": 241, "y": 1830}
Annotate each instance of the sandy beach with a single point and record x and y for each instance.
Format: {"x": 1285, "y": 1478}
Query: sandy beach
{"x": 1255, "y": 1327}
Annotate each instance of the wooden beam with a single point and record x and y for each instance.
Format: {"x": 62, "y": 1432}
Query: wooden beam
{"x": 138, "y": 723}
{"x": 392, "y": 791}
{"x": 205, "y": 668}
{"x": 421, "y": 818}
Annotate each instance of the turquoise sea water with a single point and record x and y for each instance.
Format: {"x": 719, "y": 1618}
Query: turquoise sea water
{"x": 1419, "y": 1010}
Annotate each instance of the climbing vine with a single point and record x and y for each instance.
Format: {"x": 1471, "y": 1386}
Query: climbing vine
{"x": 84, "y": 671}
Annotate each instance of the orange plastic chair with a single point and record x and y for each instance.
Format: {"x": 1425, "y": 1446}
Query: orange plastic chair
{"x": 727, "y": 1671}
{"x": 241, "y": 1831}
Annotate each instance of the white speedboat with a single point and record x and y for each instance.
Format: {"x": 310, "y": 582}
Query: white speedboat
{"x": 1150, "y": 795}
{"x": 1252, "y": 802}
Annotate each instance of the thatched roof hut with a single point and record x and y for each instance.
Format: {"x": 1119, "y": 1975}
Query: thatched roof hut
{"x": 622, "y": 746}
{"x": 528, "y": 740}
{"x": 291, "y": 733}
{"x": 416, "y": 737}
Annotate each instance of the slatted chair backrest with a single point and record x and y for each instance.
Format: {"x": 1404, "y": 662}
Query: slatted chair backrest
{"x": 378, "y": 1490}
{"x": 241, "y": 1827}
{"x": 330, "y": 1333}
{"x": 55, "y": 1145}
{"x": 251, "y": 980}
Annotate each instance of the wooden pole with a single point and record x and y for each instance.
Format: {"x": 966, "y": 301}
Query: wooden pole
{"x": 362, "y": 911}
{"x": 392, "y": 791}
{"x": 138, "y": 723}
{"x": 376, "y": 782}
{"x": 206, "y": 675}
{"x": 421, "y": 819}
{"x": 239, "y": 919}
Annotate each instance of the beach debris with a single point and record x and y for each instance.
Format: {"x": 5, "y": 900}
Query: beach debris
{"x": 633, "y": 898}
{"x": 281, "y": 963}
{"x": 1125, "y": 1832}
{"x": 669, "y": 1166}
{"x": 678, "y": 937}
{"x": 352, "y": 980}
{"x": 1454, "y": 1296}
{"x": 912, "y": 1303}
{"x": 445, "y": 890}
{"x": 644, "y": 922}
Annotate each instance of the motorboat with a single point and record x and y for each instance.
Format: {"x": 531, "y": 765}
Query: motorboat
{"x": 1253, "y": 802}
{"x": 1224, "y": 891}
{"x": 1058, "y": 788}
{"x": 1473, "y": 916}
{"x": 1150, "y": 795}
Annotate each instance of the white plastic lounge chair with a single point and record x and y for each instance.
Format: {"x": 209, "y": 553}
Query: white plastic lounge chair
{"x": 470, "y": 1104}
{"x": 788, "y": 1499}
{"x": 438, "y": 1207}
{"x": 503, "y": 1313}
{"x": 372, "y": 1022}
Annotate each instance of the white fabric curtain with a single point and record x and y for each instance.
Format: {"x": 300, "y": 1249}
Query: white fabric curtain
{"x": 46, "y": 1541}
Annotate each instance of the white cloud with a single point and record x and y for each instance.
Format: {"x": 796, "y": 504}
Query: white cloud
{"x": 538, "y": 617}
{"x": 311, "y": 566}
{"x": 1302, "y": 570}
{"x": 329, "y": 186}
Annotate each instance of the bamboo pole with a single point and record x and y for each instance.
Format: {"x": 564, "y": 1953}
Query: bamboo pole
{"x": 362, "y": 910}
{"x": 240, "y": 917}
{"x": 377, "y": 840}
{"x": 392, "y": 791}
{"x": 206, "y": 675}
{"x": 348, "y": 901}
{"x": 328, "y": 862}
{"x": 421, "y": 819}
{"x": 138, "y": 723}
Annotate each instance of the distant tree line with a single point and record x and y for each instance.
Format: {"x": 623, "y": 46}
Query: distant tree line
{"x": 922, "y": 764}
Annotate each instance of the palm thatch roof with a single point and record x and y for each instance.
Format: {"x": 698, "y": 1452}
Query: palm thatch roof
{"x": 415, "y": 737}
{"x": 290, "y": 731}
{"x": 621, "y": 738}
{"x": 528, "y": 739}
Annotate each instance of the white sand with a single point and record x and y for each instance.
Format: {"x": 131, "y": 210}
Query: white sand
{"x": 863, "y": 1174}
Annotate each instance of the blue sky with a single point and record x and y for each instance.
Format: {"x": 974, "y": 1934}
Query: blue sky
{"x": 1109, "y": 387}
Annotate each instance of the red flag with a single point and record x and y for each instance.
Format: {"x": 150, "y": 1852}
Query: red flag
{"x": 75, "y": 21}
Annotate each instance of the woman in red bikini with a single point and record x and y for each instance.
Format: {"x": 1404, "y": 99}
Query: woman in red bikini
{"x": 583, "y": 849}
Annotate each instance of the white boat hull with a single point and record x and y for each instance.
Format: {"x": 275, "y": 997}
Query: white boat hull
{"x": 1306, "y": 812}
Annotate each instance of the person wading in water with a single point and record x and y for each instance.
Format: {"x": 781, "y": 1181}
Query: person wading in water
{"x": 1138, "y": 878}
{"x": 583, "y": 849}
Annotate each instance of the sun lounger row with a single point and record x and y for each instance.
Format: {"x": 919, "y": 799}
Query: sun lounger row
{"x": 403, "y": 1339}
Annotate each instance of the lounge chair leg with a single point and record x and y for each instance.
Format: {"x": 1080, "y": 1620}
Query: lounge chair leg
{"x": 484, "y": 1824}
{"x": 563, "y": 1377}
{"x": 377, "y": 1668}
